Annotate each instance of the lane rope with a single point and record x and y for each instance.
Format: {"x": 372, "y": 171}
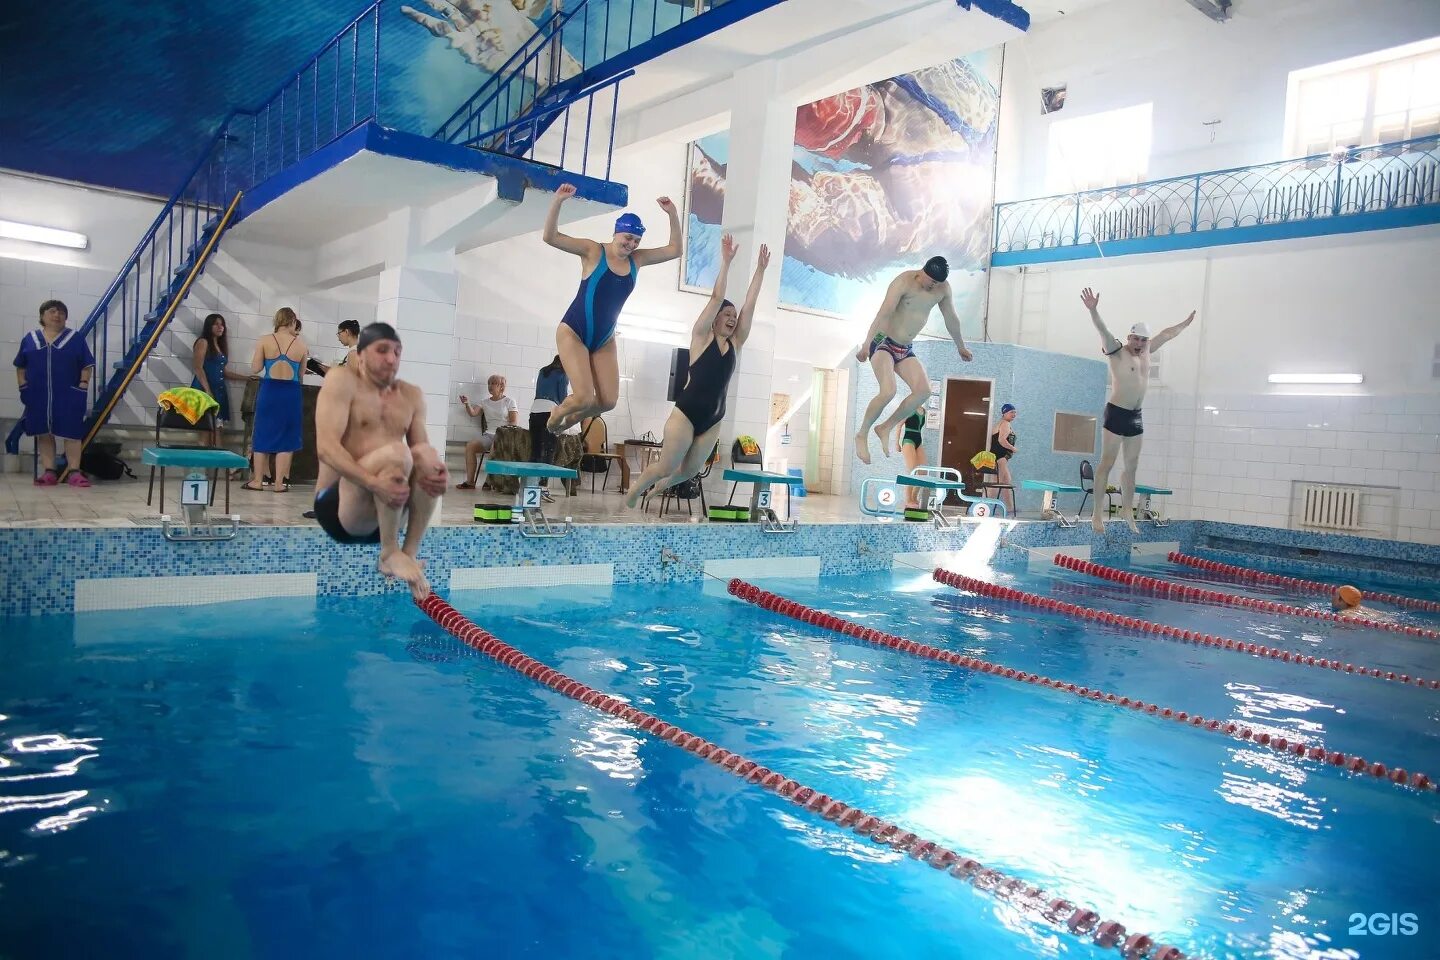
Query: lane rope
{"x": 1250, "y": 575}
{"x": 1169, "y": 588}
{"x": 1079, "y": 921}
{"x": 798, "y": 611}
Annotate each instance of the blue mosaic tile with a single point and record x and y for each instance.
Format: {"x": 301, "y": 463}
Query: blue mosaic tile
{"x": 41, "y": 565}
{"x": 1334, "y": 552}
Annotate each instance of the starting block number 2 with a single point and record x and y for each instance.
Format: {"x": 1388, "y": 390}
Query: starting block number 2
{"x": 531, "y": 498}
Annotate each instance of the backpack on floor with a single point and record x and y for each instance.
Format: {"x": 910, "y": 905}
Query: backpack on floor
{"x": 102, "y": 461}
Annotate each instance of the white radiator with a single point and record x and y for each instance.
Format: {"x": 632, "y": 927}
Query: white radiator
{"x": 1328, "y": 507}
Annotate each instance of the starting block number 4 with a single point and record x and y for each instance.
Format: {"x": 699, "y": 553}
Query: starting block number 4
{"x": 763, "y": 501}
{"x": 195, "y": 493}
{"x": 530, "y": 498}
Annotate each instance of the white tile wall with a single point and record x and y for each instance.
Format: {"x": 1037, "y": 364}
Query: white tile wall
{"x": 1248, "y": 450}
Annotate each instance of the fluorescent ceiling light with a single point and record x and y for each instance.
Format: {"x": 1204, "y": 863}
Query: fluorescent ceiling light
{"x": 11, "y": 230}
{"x": 1317, "y": 378}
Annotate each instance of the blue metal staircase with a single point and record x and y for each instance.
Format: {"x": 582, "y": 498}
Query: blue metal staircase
{"x": 545, "y": 74}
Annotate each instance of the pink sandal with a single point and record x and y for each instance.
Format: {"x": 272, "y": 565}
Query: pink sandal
{"x": 77, "y": 479}
{"x": 47, "y": 479}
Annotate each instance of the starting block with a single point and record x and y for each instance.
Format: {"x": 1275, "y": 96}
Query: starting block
{"x": 529, "y": 508}
{"x": 760, "y": 509}
{"x": 196, "y": 491}
{"x": 937, "y": 482}
{"x": 1048, "y": 507}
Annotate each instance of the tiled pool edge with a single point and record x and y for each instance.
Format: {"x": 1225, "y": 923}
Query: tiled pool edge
{"x": 41, "y": 565}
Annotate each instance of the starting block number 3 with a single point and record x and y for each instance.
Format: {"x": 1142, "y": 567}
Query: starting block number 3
{"x": 763, "y": 501}
{"x": 531, "y": 498}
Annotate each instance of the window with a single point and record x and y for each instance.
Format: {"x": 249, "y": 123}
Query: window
{"x": 1100, "y": 150}
{"x": 1074, "y": 433}
{"x": 1380, "y": 98}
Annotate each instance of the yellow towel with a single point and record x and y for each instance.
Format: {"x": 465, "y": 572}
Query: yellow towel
{"x": 748, "y": 445}
{"x": 189, "y": 402}
{"x": 984, "y": 460}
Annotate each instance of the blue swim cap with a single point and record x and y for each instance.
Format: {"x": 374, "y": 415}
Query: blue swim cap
{"x": 630, "y": 223}
{"x": 1006, "y": 408}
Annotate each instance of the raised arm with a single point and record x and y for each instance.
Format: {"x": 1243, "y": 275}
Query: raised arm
{"x": 952, "y": 324}
{"x": 728, "y": 249}
{"x": 747, "y": 312}
{"x": 1170, "y": 333}
{"x": 552, "y": 234}
{"x": 1108, "y": 343}
{"x": 671, "y": 250}
{"x": 887, "y": 307}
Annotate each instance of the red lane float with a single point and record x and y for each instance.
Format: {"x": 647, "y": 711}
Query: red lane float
{"x": 798, "y": 611}
{"x": 1248, "y": 575}
{"x": 1180, "y": 591}
{"x": 1189, "y": 636}
{"x": 1078, "y": 920}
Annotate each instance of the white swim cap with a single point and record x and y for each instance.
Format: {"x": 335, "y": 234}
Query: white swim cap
{"x": 1141, "y": 331}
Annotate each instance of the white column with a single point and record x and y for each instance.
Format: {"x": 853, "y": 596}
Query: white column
{"x": 757, "y": 203}
{"x": 417, "y": 297}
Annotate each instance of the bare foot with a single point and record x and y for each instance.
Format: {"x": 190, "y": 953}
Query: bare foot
{"x": 633, "y": 499}
{"x": 1134, "y": 528}
{"x": 884, "y": 436}
{"x": 1096, "y": 523}
{"x": 404, "y": 567}
{"x": 862, "y": 449}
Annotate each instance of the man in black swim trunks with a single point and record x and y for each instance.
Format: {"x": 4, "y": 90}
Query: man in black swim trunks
{"x": 376, "y": 462}
{"x": 1129, "y": 375}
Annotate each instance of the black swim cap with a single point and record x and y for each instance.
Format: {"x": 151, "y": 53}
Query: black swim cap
{"x": 937, "y": 269}
{"x": 373, "y": 332}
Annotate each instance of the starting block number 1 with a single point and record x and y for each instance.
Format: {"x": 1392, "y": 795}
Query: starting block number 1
{"x": 531, "y": 498}
{"x": 763, "y": 501}
{"x": 195, "y": 493}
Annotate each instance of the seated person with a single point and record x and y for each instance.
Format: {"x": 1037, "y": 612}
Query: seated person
{"x": 498, "y": 409}
{"x": 376, "y": 463}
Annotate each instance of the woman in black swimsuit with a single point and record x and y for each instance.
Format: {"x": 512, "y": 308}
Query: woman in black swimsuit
{"x": 695, "y": 422}
{"x": 1002, "y": 444}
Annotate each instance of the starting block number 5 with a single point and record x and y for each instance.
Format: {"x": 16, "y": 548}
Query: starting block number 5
{"x": 763, "y": 501}
{"x": 531, "y": 498}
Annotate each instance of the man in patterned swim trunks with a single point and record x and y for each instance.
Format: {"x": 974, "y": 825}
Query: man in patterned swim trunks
{"x": 888, "y": 347}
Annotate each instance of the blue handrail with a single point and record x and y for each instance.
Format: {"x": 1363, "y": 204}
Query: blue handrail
{"x": 546, "y": 29}
{"x": 1352, "y": 180}
{"x": 599, "y": 56}
{"x": 537, "y": 121}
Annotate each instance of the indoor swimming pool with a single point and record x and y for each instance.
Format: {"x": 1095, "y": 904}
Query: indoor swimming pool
{"x": 344, "y": 778}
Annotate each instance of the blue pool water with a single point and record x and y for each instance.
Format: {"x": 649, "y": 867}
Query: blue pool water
{"x": 342, "y": 779}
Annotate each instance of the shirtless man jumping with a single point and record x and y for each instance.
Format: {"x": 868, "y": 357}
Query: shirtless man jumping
{"x": 1129, "y": 376}
{"x": 375, "y": 460}
{"x": 889, "y": 347}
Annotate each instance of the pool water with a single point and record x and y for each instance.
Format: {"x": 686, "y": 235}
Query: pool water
{"x": 343, "y": 779}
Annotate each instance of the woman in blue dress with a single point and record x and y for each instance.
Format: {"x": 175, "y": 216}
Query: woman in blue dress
{"x": 54, "y": 366}
{"x": 585, "y": 339}
{"x": 279, "y": 361}
{"x": 211, "y": 356}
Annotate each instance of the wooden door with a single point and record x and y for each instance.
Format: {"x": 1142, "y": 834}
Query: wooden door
{"x": 964, "y": 424}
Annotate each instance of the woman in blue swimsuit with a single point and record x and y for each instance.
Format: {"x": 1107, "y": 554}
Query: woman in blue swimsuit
{"x": 719, "y": 333}
{"x": 585, "y": 339}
